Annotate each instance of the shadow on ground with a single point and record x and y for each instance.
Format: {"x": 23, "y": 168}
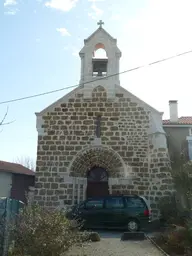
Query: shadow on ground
{"x": 154, "y": 227}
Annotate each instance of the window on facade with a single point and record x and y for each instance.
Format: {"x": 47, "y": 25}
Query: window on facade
{"x": 114, "y": 203}
{"x": 96, "y": 204}
{"x": 134, "y": 202}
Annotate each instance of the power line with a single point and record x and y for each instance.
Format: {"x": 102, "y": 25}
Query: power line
{"x": 91, "y": 81}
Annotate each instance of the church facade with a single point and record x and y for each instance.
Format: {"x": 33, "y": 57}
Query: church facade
{"x": 100, "y": 139}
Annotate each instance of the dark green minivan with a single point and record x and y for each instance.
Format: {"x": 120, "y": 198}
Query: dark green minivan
{"x": 132, "y": 213}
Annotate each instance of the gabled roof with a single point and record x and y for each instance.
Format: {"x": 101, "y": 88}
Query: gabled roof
{"x": 63, "y": 99}
{"x": 138, "y": 100}
{"x": 104, "y": 35}
{"x": 80, "y": 89}
{"x": 183, "y": 120}
{"x": 15, "y": 168}
{"x": 100, "y": 30}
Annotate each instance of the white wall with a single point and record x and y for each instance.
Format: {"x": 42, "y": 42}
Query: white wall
{"x": 5, "y": 184}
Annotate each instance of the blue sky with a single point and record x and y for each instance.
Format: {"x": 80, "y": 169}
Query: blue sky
{"x": 39, "y": 45}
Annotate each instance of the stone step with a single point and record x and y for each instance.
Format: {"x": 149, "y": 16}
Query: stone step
{"x": 133, "y": 236}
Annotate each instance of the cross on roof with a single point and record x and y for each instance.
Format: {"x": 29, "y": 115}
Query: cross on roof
{"x": 100, "y": 23}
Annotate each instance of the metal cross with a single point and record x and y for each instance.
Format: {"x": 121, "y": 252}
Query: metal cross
{"x": 100, "y": 23}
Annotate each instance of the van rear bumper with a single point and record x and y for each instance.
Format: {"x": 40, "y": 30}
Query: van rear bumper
{"x": 145, "y": 225}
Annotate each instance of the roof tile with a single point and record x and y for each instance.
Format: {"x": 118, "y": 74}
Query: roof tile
{"x": 183, "y": 120}
{"x": 15, "y": 168}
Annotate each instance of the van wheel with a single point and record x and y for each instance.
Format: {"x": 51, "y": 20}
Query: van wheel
{"x": 132, "y": 225}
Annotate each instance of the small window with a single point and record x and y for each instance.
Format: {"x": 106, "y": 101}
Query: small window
{"x": 135, "y": 202}
{"x": 96, "y": 204}
{"x": 114, "y": 203}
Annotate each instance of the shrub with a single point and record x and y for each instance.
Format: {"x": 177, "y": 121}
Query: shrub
{"x": 177, "y": 240}
{"x": 171, "y": 213}
{"x": 90, "y": 236}
{"x": 43, "y": 232}
{"x": 168, "y": 209}
{"x": 94, "y": 237}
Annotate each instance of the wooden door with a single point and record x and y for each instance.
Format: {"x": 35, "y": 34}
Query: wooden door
{"x": 97, "y": 182}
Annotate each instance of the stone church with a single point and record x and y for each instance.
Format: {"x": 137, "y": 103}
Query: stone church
{"x": 100, "y": 139}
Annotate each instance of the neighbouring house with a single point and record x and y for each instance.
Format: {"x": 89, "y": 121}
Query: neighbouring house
{"x": 100, "y": 139}
{"x": 179, "y": 133}
{"x": 15, "y": 180}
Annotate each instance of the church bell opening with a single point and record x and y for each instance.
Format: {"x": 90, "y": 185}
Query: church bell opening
{"x": 99, "y": 67}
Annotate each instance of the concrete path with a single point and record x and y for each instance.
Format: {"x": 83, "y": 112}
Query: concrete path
{"x": 110, "y": 245}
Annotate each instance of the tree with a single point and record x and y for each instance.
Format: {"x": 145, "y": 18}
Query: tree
{"x": 3, "y": 122}
{"x": 182, "y": 177}
{"x": 26, "y": 161}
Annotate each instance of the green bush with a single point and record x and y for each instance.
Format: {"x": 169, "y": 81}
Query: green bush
{"x": 43, "y": 232}
{"x": 171, "y": 213}
{"x": 168, "y": 209}
{"x": 90, "y": 236}
{"x": 177, "y": 240}
{"x": 94, "y": 237}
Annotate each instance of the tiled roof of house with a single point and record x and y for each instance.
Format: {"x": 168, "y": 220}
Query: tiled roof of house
{"x": 15, "y": 168}
{"x": 183, "y": 120}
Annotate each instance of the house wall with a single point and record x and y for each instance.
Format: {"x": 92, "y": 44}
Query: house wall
{"x": 5, "y": 184}
{"x": 20, "y": 186}
{"x": 176, "y": 140}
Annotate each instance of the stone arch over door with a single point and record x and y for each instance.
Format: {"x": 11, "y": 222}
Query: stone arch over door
{"x": 100, "y": 156}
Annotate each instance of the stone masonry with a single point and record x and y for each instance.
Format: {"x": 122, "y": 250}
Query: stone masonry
{"x": 67, "y": 146}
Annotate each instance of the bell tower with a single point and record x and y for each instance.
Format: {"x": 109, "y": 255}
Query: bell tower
{"x": 100, "y": 62}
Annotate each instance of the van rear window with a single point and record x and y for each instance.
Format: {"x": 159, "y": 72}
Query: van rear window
{"x": 133, "y": 202}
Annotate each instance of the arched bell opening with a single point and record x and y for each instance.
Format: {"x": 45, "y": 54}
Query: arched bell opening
{"x": 99, "y": 60}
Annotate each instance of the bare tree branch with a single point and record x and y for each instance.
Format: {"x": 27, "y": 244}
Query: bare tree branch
{"x": 2, "y": 122}
{"x": 26, "y": 161}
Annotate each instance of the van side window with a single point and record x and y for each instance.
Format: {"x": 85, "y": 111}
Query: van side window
{"x": 96, "y": 204}
{"x": 135, "y": 202}
{"x": 114, "y": 203}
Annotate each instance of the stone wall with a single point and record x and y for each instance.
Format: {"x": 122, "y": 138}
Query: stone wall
{"x": 70, "y": 128}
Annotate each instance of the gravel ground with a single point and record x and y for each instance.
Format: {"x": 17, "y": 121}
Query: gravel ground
{"x": 114, "y": 247}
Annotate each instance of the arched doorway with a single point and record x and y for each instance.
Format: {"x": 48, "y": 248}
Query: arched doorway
{"x": 97, "y": 182}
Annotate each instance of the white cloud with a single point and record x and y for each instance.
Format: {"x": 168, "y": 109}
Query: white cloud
{"x": 159, "y": 30}
{"x": 66, "y": 48}
{"x": 10, "y": 7}
{"x": 167, "y": 35}
{"x": 62, "y": 5}
{"x": 13, "y": 12}
{"x": 10, "y": 2}
{"x": 75, "y": 53}
{"x": 96, "y": 12}
{"x": 63, "y": 31}
{"x": 72, "y": 49}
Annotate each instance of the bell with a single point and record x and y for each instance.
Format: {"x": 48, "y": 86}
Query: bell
{"x": 99, "y": 67}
